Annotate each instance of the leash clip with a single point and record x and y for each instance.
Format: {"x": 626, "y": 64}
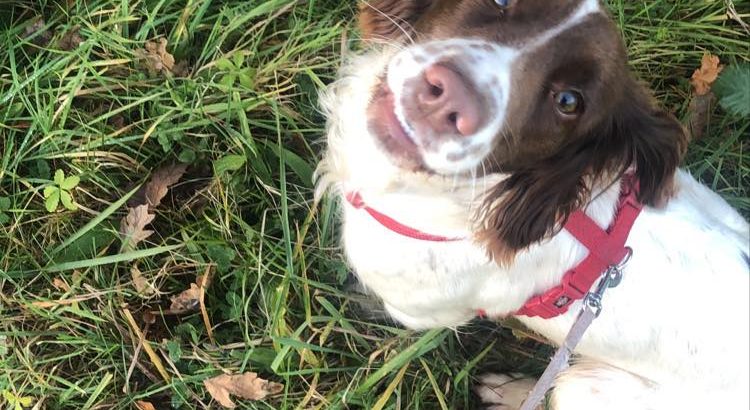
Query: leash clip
{"x": 610, "y": 279}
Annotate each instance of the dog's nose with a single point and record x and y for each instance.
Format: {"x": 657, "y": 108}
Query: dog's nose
{"x": 448, "y": 102}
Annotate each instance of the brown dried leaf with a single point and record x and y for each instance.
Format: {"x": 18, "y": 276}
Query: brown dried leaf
{"x": 181, "y": 69}
{"x": 699, "y": 112}
{"x": 70, "y": 40}
{"x": 141, "y": 284}
{"x": 60, "y": 284}
{"x": 187, "y": 301}
{"x": 247, "y": 386}
{"x": 41, "y": 37}
{"x": 155, "y": 56}
{"x": 161, "y": 180}
{"x": 144, "y": 405}
{"x": 704, "y": 77}
{"x": 148, "y": 317}
{"x": 132, "y": 227}
{"x": 158, "y": 185}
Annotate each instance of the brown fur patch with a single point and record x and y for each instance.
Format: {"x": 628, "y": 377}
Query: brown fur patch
{"x": 551, "y": 159}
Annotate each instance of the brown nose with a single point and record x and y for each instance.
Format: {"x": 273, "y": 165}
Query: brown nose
{"x": 448, "y": 103}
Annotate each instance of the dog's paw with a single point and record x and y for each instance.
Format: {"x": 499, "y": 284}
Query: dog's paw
{"x": 504, "y": 391}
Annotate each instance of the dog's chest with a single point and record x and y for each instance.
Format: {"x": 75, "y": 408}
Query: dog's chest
{"x": 417, "y": 279}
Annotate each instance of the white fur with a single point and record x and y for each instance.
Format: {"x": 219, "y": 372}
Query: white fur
{"x": 674, "y": 334}
{"x": 483, "y": 66}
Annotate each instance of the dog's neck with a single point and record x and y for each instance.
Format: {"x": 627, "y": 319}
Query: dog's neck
{"x": 449, "y": 206}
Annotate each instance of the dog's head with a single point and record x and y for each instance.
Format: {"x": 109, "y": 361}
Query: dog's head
{"x": 537, "y": 90}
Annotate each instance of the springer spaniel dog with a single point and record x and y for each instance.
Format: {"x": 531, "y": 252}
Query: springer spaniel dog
{"x": 463, "y": 142}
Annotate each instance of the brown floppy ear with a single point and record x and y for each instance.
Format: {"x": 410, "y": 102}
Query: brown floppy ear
{"x": 657, "y": 143}
{"x": 536, "y": 201}
{"x": 389, "y": 19}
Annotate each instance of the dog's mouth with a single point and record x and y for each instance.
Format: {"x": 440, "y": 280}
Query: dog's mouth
{"x": 392, "y": 133}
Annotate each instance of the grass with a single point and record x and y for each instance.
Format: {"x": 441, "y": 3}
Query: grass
{"x": 241, "y": 111}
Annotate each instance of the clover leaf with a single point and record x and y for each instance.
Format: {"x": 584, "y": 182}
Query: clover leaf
{"x": 61, "y": 192}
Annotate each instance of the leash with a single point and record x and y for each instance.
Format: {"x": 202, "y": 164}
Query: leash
{"x": 592, "y": 307}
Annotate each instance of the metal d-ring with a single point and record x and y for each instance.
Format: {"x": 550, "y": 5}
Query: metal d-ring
{"x": 610, "y": 279}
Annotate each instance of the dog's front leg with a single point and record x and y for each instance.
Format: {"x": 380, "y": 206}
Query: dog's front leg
{"x": 590, "y": 385}
{"x": 586, "y": 385}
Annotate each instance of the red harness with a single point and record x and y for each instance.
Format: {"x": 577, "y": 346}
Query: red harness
{"x": 606, "y": 248}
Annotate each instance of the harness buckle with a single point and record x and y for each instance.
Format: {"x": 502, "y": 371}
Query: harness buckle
{"x": 611, "y": 278}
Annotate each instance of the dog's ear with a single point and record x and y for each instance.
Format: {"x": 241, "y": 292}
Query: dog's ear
{"x": 389, "y": 19}
{"x": 531, "y": 203}
{"x": 653, "y": 141}
{"x": 534, "y": 202}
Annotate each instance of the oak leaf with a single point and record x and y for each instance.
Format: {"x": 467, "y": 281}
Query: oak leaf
{"x": 187, "y": 301}
{"x": 154, "y": 191}
{"x": 139, "y": 281}
{"x": 144, "y": 405}
{"x": 70, "y": 40}
{"x": 247, "y": 386}
{"x": 133, "y": 227}
{"x": 155, "y": 56}
{"x": 37, "y": 32}
{"x": 60, "y": 285}
{"x": 704, "y": 77}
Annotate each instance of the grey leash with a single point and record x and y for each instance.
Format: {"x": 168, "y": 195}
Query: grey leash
{"x": 592, "y": 307}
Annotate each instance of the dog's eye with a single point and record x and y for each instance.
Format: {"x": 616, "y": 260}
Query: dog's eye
{"x": 568, "y": 102}
{"x": 502, "y": 3}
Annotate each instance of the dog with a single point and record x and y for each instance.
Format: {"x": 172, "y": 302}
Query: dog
{"x": 464, "y": 140}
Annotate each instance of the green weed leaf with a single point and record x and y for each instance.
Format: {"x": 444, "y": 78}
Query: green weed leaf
{"x": 59, "y": 177}
{"x": 229, "y": 163}
{"x": 222, "y": 256}
{"x": 238, "y": 60}
{"x": 41, "y": 169}
{"x": 228, "y": 80}
{"x": 225, "y": 65}
{"x": 52, "y": 200}
{"x": 67, "y": 201}
{"x": 246, "y": 80}
{"x": 187, "y": 156}
{"x": 70, "y": 183}
{"x": 733, "y": 89}
{"x": 175, "y": 350}
{"x": 49, "y": 190}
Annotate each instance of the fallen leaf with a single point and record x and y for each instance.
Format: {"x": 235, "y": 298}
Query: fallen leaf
{"x": 144, "y": 405}
{"x": 37, "y": 34}
{"x": 140, "y": 283}
{"x": 148, "y": 317}
{"x": 181, "y": 69}
{"x": 229, "y": 163}
{"x": 704, "y": 77}
{"x": 161, "y": 181}
{"x": 698, "y": 114}
{"x": 155, "y": 56}
{"x": 187, "y": 301}
{"x": 70, "y": 40}
{"x": 154, "y": 191}
{"x": 247, "y": 386}
{"x": 132, "y": 227}
{"x": 60, "y": 284}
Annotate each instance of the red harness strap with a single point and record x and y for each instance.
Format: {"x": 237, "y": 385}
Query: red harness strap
{"x": 606, "y": 249}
